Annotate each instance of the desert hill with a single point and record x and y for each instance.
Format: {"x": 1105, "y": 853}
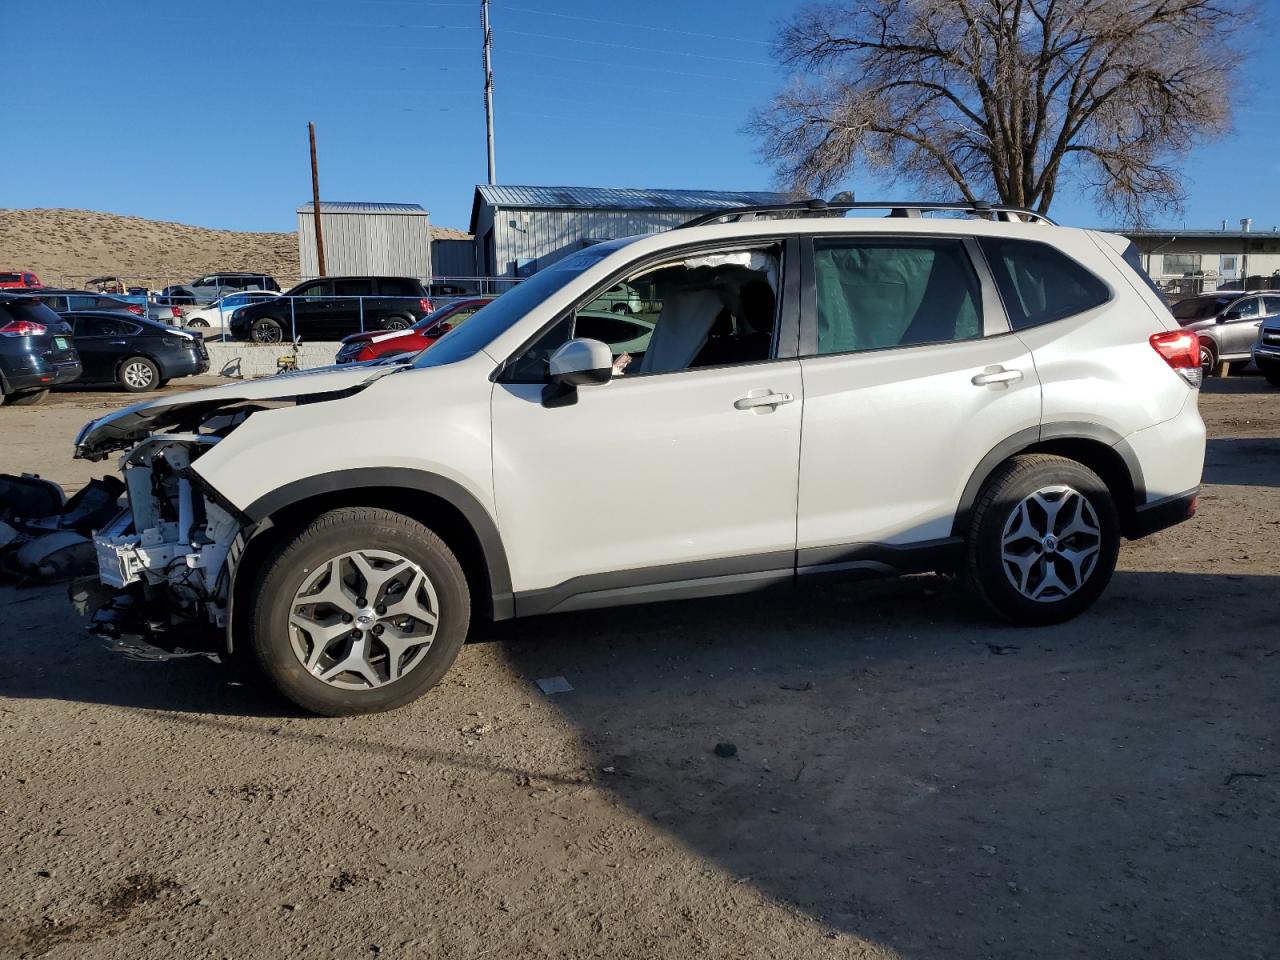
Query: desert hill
{"x": 69, "y": 246}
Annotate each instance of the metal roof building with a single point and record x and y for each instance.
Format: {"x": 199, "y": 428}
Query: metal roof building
{"x": 520, "y": 229}
{"x": 387, "y": 239}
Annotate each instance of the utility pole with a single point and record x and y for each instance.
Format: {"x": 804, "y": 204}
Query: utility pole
{"x": 488, "y": 84}
{"x": 315, "y": 199}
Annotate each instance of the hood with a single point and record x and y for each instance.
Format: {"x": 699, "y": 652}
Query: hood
{"x": 381, "y": 336}
{"x": 185, "y": 411}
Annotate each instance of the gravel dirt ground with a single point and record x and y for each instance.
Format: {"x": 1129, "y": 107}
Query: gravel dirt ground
{"x": 910, "y": 780}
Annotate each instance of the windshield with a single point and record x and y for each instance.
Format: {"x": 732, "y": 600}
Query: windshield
{"x": 1199, "y": 308}
{"x": 489, "y": 322}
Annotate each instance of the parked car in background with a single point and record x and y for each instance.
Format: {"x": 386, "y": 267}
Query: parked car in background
{"x": 1266, "y": 350}
{"x": 109, "y": 285}
{"x": 36, "y": 350}
{"x": 332, "y": 308}
{"x": 384, "y": 343}
{"x": 620, "y": 298}
{"x": 62, "y": 300}
{"x": 218, "y": 313}
{"x": 134, "y": 353}
{"x": 18, "y": 279}
{"x": 208, "y": 288}
{"x": 1227, "y": 323}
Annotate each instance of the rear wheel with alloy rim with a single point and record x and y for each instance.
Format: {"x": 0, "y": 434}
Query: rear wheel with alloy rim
{"x": 138, "y": 374}
{"x": 266, "y": 330}
{"x": 364, "y": 610}
{"x": 1043, "y": 540}
{"x": 397, "y": 323}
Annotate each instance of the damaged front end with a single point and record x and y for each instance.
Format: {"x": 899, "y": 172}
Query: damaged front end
{"x": 166, "y": 562}
{"x": 164, "y": 557}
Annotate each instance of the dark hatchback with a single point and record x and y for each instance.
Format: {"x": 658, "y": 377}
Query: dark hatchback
{"x": 332, "y": 308}
{"x": 36, "y": 350}
{"x": 136, "y": 354}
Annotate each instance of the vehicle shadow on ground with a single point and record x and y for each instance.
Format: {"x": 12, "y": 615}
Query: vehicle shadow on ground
{"x": 1248, "y": 383}
{"x": 1099, "y": 788}
{"x": 1243, "y": 461}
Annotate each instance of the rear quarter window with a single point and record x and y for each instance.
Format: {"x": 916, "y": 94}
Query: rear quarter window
{"x": 1039, "y": 284}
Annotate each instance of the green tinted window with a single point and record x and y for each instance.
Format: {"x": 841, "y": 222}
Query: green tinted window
{"x": 873, "y": 294}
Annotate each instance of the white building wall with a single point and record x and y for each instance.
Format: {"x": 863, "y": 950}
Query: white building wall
{"x": 378, "y": 244}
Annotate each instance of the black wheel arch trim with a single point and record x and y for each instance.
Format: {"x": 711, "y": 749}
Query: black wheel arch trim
{"x": 1030, "y": 437}
{"x": 405, "y": 478}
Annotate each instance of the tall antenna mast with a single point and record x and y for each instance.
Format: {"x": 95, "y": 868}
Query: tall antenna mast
{"x": 488, "y": 84}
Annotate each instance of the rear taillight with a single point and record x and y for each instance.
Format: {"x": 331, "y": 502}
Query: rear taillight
{"x": 177, "y": 313}
{"x": 23, "y": 328}
{"x": 136, "y": 310}
{"x": 1180, "y": 350}
{"x": 425, "y": 304}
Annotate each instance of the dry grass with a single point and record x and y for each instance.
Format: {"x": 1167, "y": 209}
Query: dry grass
{"x": 69, "y": 246}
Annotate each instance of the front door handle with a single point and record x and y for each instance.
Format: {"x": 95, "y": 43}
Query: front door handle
{"x": 751, "y": 401}
{"x": 996, "y": 375}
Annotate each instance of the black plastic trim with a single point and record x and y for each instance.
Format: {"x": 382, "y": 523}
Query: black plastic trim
{"x": 1163, "y": 513}
{"x": 482, "y": 524}
{"x": 699, "y": 578}
{"x": 887, "y": 558}
{"x": 1062, "y": 430}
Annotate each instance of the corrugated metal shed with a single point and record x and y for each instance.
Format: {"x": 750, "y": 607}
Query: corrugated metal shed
{"x": 520, "y": 229}
{"x": 621, "y": 198}
{"x": 380, "y": 239}
{"x": 453, "y": 258}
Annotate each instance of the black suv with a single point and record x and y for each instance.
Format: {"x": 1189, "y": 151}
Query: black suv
{"x": 36, "y": 350}
{"x": 333, "y": 307}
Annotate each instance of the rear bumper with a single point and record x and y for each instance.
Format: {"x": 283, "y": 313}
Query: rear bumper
{"x": 1163, "y": 513}
{"x": 40, "y": 376}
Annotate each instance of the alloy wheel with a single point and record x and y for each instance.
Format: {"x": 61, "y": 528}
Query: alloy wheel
{"x": 1051, "y": 543}
{"x": 138, "y": 374}
{"x": 363, "y": 619}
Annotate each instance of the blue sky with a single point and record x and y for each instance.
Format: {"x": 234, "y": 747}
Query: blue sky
{"x": 197, "y": 112}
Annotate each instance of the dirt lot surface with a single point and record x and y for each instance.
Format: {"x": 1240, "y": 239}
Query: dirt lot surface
{"x": 910, "y": 779}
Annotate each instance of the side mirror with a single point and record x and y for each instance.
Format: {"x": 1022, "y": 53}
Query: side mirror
{"x": 577, "y": 362}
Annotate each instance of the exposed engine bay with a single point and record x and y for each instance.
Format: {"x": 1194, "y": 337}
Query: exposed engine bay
{"x": 166, "y": 561}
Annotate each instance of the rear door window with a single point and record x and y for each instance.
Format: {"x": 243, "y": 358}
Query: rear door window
{"x": 354, "y": 287}
{"x": 875, "y": 293}
{"x": 1038, "y": 284}
{"x": 1271, "y": 306}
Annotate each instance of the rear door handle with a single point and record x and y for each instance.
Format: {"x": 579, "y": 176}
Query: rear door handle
{"x": 996, "y": 375}
{"x": 750, "y": 402}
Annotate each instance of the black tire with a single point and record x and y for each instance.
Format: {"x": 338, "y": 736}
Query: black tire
{"x": 996, "y": 510}
{"x": 1236, "y": 368}
{"x": 198, "y": 323}
{"x": 1208, "y": 357}
{"x": 269, "y": 639}
{"x": 138, "y": 375}
{"x": 397, "y": 323}
{"x": 1272, "y": 373}
{"x": 266, "y": 330}
{"x": 27, "y": 399}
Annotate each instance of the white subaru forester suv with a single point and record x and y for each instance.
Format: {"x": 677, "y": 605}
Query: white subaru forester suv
{"x": 982, "y": 393}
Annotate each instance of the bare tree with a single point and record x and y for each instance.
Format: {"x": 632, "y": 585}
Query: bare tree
{"x": 1005, "y": 96}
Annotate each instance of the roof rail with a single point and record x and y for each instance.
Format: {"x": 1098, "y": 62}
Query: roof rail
{"x": 897, "y": 208}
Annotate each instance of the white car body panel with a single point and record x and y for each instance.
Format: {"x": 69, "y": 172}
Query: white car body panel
{"x": 645, "y": 471}
{"x": 891, "y": 437}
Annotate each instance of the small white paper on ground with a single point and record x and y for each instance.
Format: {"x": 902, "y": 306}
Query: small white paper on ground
{"x": 550, "y": 685}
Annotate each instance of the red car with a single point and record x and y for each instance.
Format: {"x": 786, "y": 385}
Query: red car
{"x": 384, "y": 343}
{"x": 18, "y": 279}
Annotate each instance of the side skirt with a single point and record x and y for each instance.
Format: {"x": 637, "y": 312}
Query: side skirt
{"x": 712, "y": 578}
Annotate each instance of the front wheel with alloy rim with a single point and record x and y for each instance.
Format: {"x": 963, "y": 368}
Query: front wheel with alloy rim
{"x": 1043, "y": 540}
{"x": 363, "y": 610}
{"x": 138, "y": 375}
